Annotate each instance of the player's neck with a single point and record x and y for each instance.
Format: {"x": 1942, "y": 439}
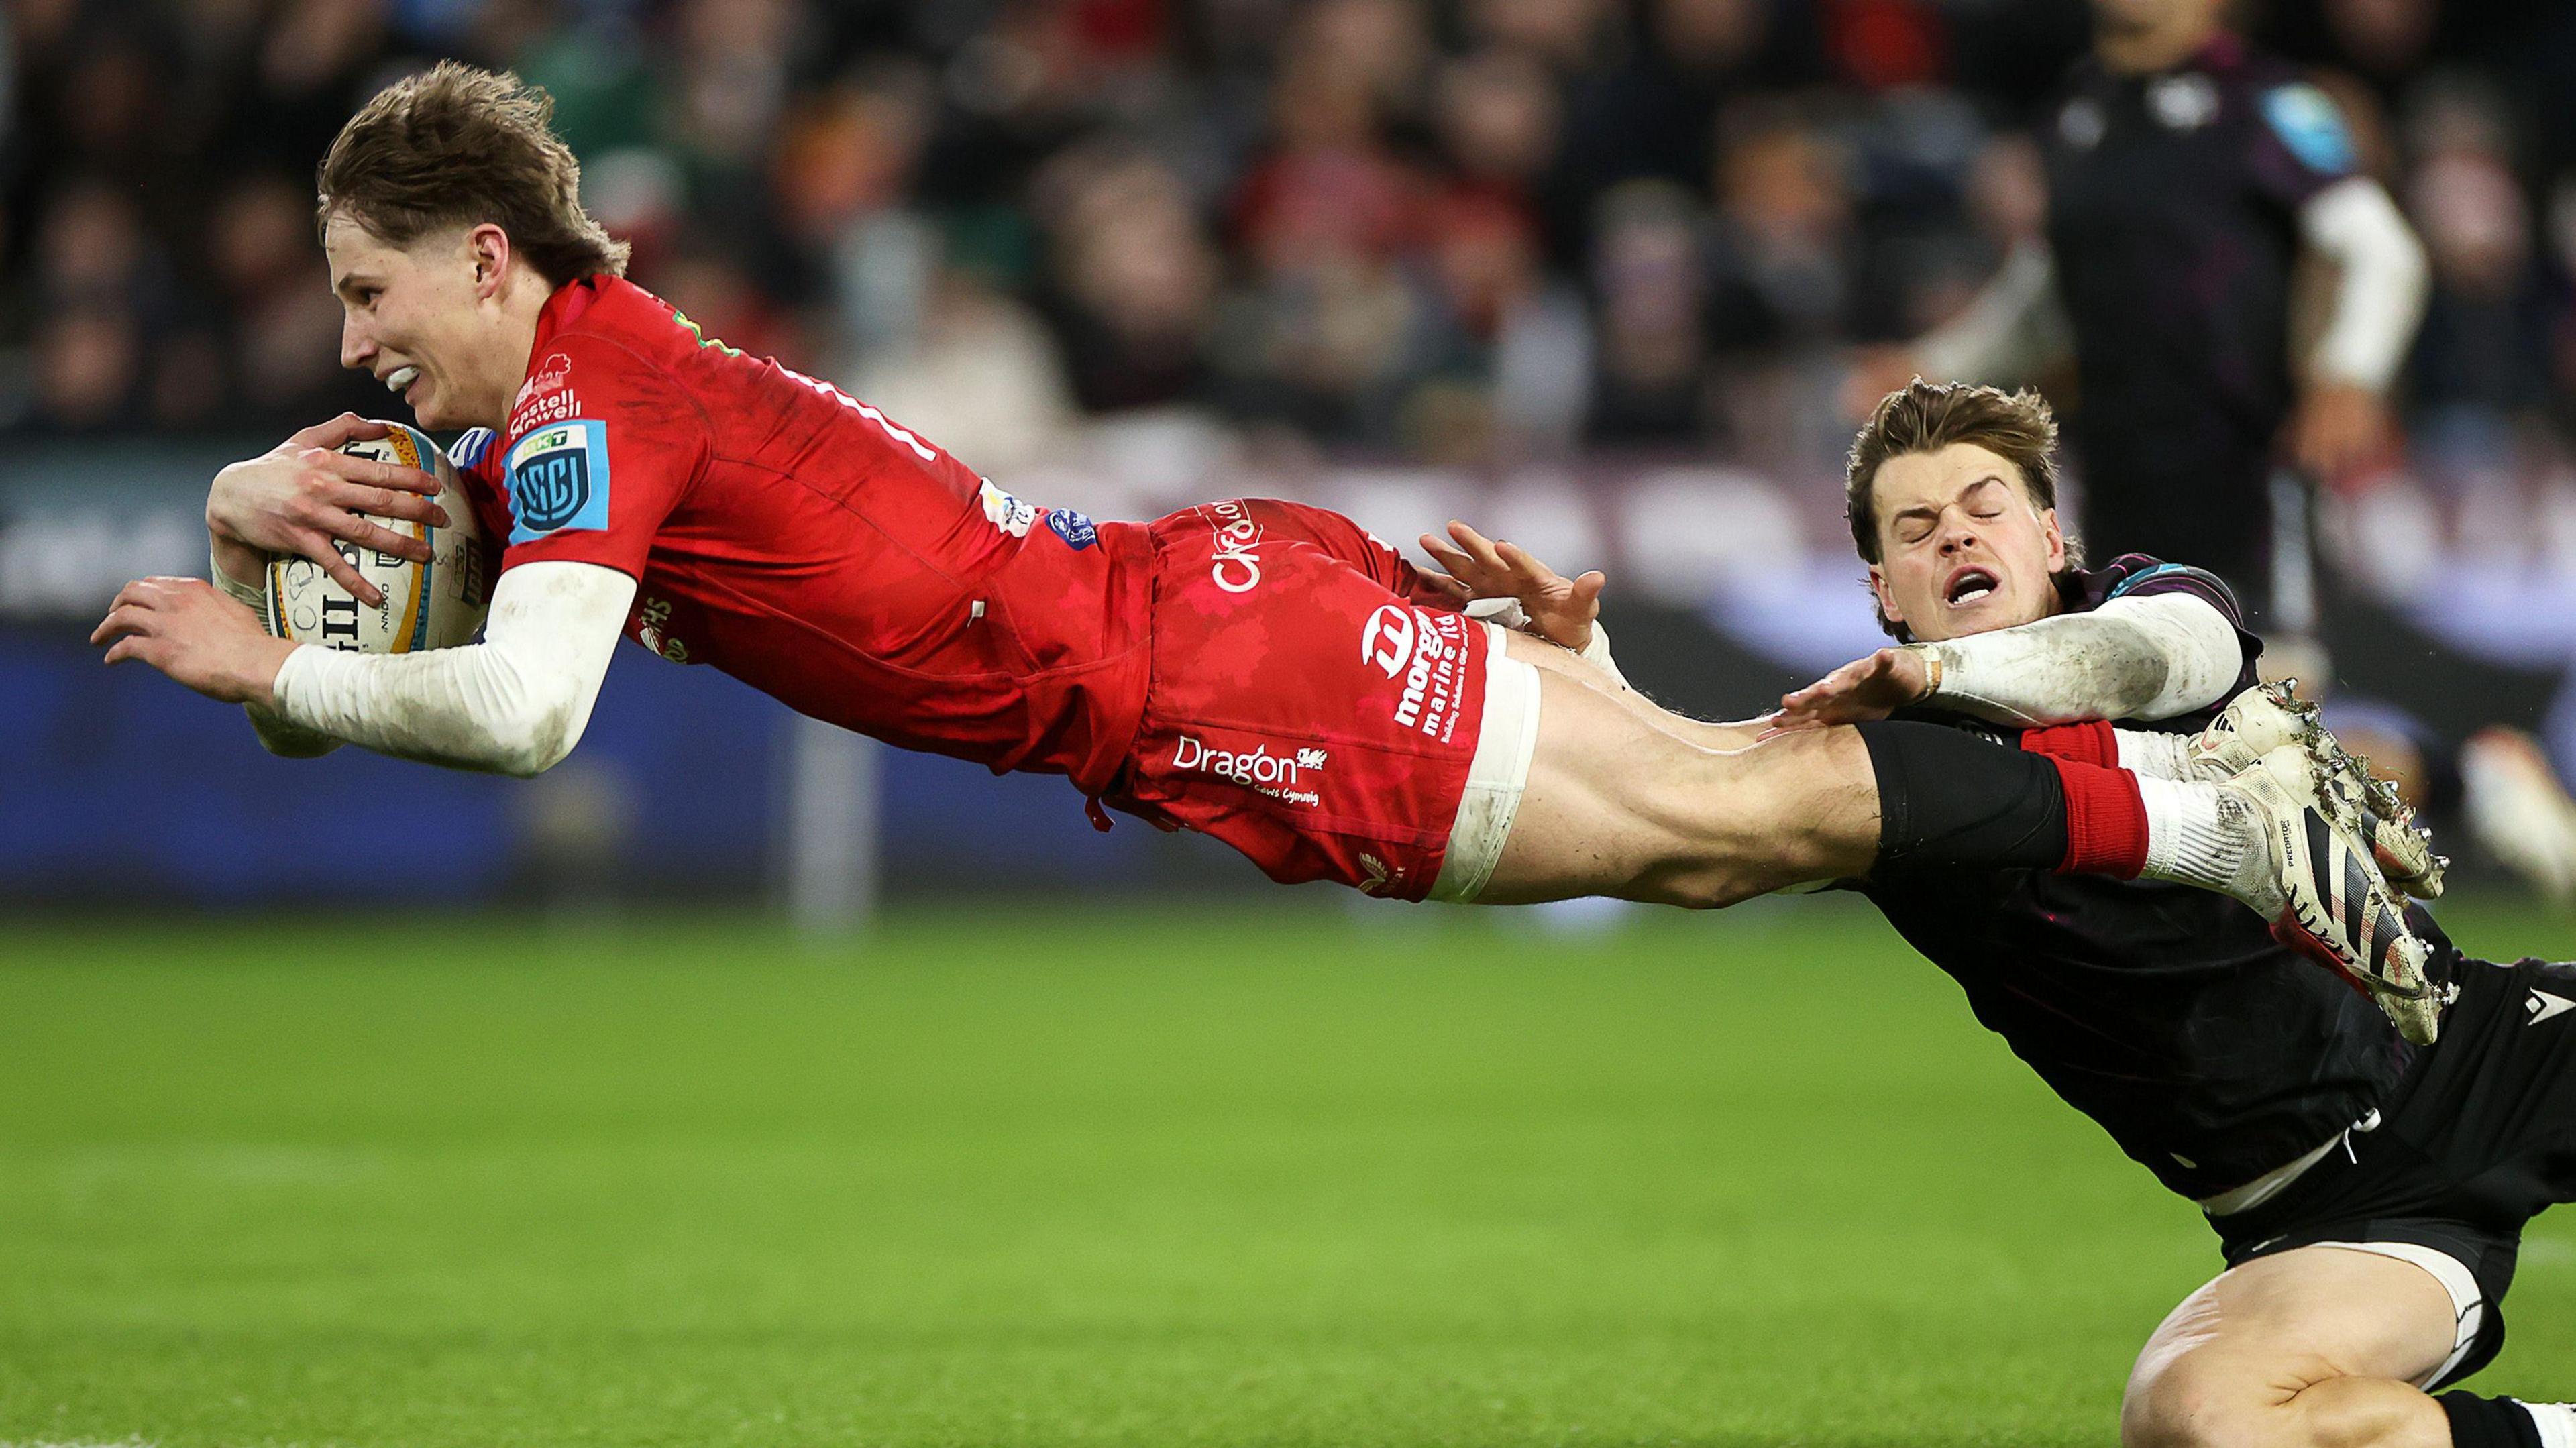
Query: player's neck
{"x": 2148, "y": 50}
{"x": 514, "y": 343}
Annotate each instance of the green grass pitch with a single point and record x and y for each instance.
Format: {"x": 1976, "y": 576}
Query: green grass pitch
{"x": 1295, "y": 1175}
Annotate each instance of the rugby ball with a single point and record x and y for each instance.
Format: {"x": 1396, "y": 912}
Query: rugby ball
{"x": 435, "y": 605}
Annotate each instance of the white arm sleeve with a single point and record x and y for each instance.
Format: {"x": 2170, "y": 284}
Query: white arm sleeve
{"x": 2379, "y": 286}
{"x": 2132, "y": 658}
{"x": 2012, "y": 332}
{"x": 515, "y": 703}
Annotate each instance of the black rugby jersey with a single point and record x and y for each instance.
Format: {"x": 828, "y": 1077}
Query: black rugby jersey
{"x": 2164, "y": 1012}
{"x": 2173, "y": 217}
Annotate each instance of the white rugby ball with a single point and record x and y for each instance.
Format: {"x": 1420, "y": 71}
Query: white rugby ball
{"x": 435, "y": 605}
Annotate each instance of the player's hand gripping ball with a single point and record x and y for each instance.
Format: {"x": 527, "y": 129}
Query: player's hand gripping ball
{"x": 435, "y": 605}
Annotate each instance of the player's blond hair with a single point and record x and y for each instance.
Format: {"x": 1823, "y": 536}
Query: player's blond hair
{"x": 457, "y": 146}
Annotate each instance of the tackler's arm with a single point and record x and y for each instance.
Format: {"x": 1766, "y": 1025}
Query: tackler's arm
{"x": 2155, "y": 657}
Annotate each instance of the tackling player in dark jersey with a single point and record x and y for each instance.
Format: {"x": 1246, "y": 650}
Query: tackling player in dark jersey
{"x": 2369, "y": 1194}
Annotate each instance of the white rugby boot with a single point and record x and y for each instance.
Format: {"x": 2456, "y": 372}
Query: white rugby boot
{"x": 2519, "y": 810}
{"x": 2269, "y": 716}
{"x": 2314, "y": 880}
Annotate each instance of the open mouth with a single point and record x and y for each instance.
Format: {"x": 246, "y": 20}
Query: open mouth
{"x": 1968, "y": 585}
{"x": 400, "y": 379}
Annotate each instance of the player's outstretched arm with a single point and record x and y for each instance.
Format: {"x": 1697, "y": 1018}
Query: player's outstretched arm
{"x": 515, "y": 703}
{"x": 304, "y": 495}
{"x": 2154, "y": 657}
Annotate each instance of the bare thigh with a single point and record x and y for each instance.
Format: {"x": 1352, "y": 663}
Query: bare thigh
{"x": 2312, "y": 1346}
{"x": 1549, "y": 658}
{"x": 1620, "y": 804}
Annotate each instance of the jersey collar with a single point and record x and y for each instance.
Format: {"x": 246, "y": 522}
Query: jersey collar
{"x": 563, "y": 309}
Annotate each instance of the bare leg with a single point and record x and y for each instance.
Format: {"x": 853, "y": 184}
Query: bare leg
{"x": 2316, "y": 1346}
{"x": 1708, "y": 735}
{"x": 1618, "y": 804}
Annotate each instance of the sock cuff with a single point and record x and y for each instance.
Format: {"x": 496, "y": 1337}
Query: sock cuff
{"x": 2150, "y": 755}
{"x": 2089, "y": 741}
{"x": 2106, "y": 820}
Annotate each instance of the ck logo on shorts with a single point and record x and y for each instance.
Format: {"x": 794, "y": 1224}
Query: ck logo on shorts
{"x": 1237, "y": 567}
{"x": 558, "y": 479}
{"x": 1428, "y": 651}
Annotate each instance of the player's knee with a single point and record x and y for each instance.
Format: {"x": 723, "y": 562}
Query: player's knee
{"x": 2360, "y": 1412}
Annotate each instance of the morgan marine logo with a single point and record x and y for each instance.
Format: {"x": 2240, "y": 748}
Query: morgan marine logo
{"x": 1427, "y": 652}
{"x": 1387, "y": 639}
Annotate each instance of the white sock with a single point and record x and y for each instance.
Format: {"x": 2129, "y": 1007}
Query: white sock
{"x": 2197, "y": 836}
{"x": 2556, "y": 1421}
{"x": 2150, "y": 755}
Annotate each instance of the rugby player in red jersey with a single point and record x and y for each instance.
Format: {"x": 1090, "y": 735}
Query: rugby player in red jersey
{"x": 1258, "y": 671}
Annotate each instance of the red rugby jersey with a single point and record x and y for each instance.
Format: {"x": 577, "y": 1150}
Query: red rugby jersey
{"x": 797, "y": 539}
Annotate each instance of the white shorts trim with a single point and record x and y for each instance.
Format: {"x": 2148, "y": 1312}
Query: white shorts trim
{"x": 1496, "y": 778}
{"x": 2468, "y": 1304}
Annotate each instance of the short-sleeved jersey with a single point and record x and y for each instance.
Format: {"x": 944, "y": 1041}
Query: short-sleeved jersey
{"x": 799, "y": 540}
{"x": 2166, "y": 1013}
{"x": 2173, "y": 202}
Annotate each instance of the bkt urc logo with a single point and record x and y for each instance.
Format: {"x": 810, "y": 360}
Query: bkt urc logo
{"x": 552, "y": 483}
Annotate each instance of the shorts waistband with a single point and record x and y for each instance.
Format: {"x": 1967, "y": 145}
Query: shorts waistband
{"x": 2272, "y": 1183}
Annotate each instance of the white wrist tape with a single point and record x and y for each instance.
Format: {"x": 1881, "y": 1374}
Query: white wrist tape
{"x": 1597, "y": 653}
{"x": 253, "y": 596}
{"x": 1508, "y": 613}
{"x": 276, "y": 735}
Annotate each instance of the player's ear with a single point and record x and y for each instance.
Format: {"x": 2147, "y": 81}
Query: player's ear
{"x": 2056, "y": 540}
{"x": 1887, "y": 608}
{"x": 488, "y": 247}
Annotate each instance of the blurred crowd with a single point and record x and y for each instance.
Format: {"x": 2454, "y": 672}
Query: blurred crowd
{"x": 1446, "y": 232}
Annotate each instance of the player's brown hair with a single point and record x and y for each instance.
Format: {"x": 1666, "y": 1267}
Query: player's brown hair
{"x": 1925, "y": 417}
{"x": 458, "y": 146}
